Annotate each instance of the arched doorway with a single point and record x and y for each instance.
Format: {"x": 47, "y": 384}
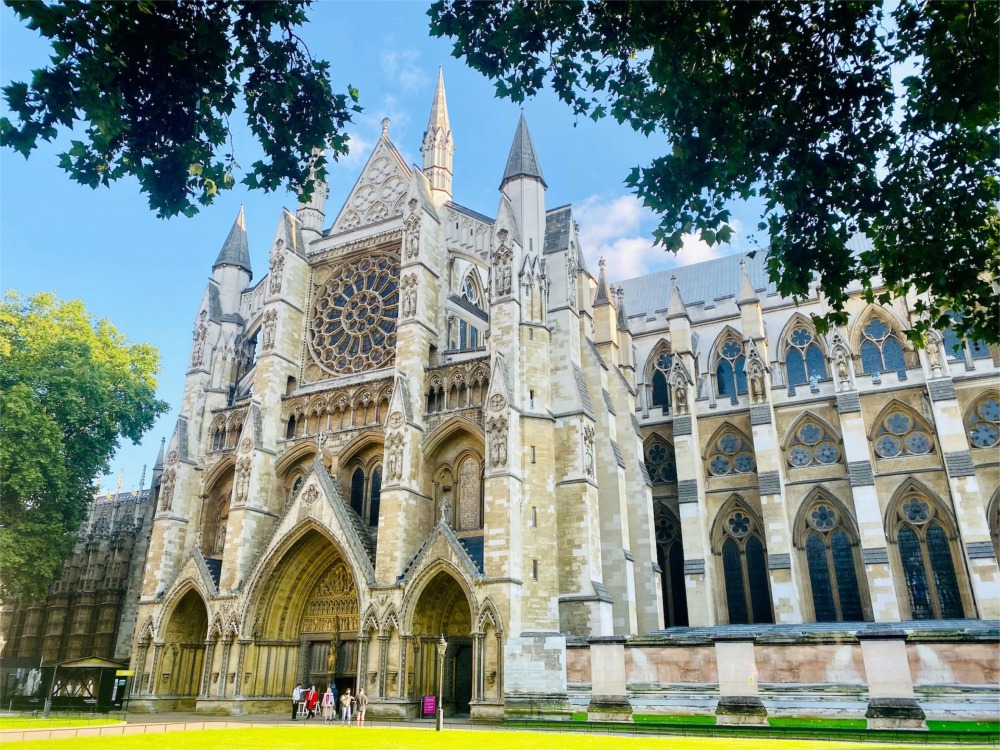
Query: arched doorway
{"x": 183, "y": 662}
{"x": 443, "y": 609}
{"x": 306, "y": 626}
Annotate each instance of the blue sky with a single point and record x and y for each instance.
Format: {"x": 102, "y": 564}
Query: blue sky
{"x": 147, "y": 275}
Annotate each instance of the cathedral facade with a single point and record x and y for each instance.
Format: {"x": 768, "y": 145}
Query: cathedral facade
{"x": 427, "y": 423}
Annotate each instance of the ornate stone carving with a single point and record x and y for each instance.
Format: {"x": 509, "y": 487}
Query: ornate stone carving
{"x": 572, "y": 270}
{"x": 588, "y": 450}
{"x": 172, "y": 458}
{"x": 396, "y": 420}
{"x": 242, "y": 480}
{"x": 267, "y": 330}
{"x": 496, "y": 430}
{"x": 497, "y": 402}
{"x": 167, "y": 489}
{"x": 409, "y": 287}
{"x": 245, "y": 445}
{"x": 379, "y": 194}
{"x": 755, "y": 369}
{"x": 394, "y": 458}
{"x": 310, "y": 496}
{"x": 198, "y": 348}
{"x": 277, "y": 268}
{"x": 411, "y": 229}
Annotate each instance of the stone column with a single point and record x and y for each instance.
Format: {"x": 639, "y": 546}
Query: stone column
{"x": 739, "y": 697}
{"x": 140, "y": 663}
{"x": 224, "y": 668}
{"x": 206, "y": 678}
{"x": 153, "y": 666}
{"x": 891, "y": 700}
{"x": 477, "y": 666}
{"x": 608, "y": 695}
{"x": 241, "y": 650}
{"x": 383, "y": 663}
{"x": 874, "y": 547}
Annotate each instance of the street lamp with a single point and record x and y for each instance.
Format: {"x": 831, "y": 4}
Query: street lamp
{"x": 442, "y": 647}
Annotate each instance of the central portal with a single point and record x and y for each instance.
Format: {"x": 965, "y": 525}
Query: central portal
{"x": 444, "y": 609}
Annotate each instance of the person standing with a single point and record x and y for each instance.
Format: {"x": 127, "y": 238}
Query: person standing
{"x": 362, "y": 706}
{"x": 296, "y": 700}
{"x": 345, "y": 706}
{"x": 312, "y": 698}
{"x": 329, "y": 704}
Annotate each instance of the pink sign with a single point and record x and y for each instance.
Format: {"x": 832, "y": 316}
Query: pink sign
{"x": 430, "y": 705}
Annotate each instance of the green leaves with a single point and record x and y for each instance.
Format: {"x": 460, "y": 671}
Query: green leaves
{"x": 794, "y": 103}
{"x": 155, "y": 85}
{"x": 70, "y": 388}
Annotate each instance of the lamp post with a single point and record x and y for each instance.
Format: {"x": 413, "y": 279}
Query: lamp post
{"x": 442, "y": 646}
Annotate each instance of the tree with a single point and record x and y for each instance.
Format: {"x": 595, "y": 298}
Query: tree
{"x": 843, "y": 117}
{"x": 154, "y": 85}
{"x": 71, "y": 387}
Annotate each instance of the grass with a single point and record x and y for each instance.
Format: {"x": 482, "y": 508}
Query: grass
{"x": 309, "y": 738}
{"x": 792, "y": 721}
{"x": 964, "y": 726}
{"x": 680, "y": 719}
{"x": 55, "y": 722}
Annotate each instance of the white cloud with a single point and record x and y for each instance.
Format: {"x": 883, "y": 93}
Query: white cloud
{"x": 401, "y": 67}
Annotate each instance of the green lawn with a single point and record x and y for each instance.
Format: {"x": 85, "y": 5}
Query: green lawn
{"x": 343, "y": 738}
{"x": 55, "y": 722}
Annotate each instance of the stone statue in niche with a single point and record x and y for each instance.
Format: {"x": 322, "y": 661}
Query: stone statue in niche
{"x": 267, "y": 334}
{"x": 572, "y": 269}
{"x": 167, "y": 489}
{"x": 757, "y": 386}
{"x": 445, "y": 510}
{"x": 498, "y": 442}
{"x": 588, "y": 450}
{"x": 394, "y": 458}
{"x": 840, "y": 361}
{"x": 198, "y": 352}
{"x": 242, "y": 480}
{"x": 680, "y": 397}
{"x": 277, "y": 268}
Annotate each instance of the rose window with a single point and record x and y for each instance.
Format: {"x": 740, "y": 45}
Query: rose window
{"x": 353, "y": 322}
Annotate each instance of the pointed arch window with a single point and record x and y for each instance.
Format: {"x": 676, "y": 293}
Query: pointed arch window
{"x": 469, "y": 514}
{"x": 927, "y": 556}
{"x": 881, "y": 349}
{"x": 659, "y": 390}
{"x": 957, "y": 349}
{"x": 217, "y": 439}
{"x": 744, "y": 568}
{"x": 670, "y": 556}
{"x": 375, "y": 496}
{"x": 660, "y": 462}
{"x": 358, "y": 491}
{"x": 730, "y": 375}
{"x": 831, "y": 555}
{"x": 902, "y": 434}
{"x": 983, "y": 423}
{"x": 472, "y": 291}
{"x": 813, "y": 445}
{"x": 993, "y": 520}
{"x": 803, "y": 358}
{"x": 731, "y": 454}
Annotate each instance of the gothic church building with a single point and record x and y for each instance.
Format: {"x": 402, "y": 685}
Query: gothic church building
{"x": 424, "y": 422}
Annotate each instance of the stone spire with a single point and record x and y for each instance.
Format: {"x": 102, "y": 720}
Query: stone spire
{"x": 604, "y": 294}
{"x": 236, "y": 250}
{"x": 522, "y": 161}
{"x": 312, "y": 213}
{"x": 675, "y": 307}
{"x": 747, "y": 292}
{"x": 438, "y": 146}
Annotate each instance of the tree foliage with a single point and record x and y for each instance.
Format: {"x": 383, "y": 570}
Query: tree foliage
{"x": 842, "y": 117}
{"x": 152, "y": 86}
{"x": 71, "y": 387}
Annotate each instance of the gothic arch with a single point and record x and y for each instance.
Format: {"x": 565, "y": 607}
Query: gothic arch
{"x": 368, "y": 439}
{"x": 801, "y": 527}
{"x": 982, "y": 420}
{"x": 802, "y": 352}
{"x": 915, "y": 437}
{"x": 390, "y": 620}
{"x": 370, "y": 620}
{"x": 419, "y": 583}
{"x": 656, "y": 375}
{"x": 175, "y": 594}
{"x": 870, "y": 311}
{"x": 453, "y": 426}
{"x": 660, "y": 459}
{"x": 293, "y": 457}
{"x": 489, "y": 614}
{"x": 739, "y": 546}
{"x": 670, "y": 557}
{"x": 729, "y": 451}
{"x": 218, "y": 473}
{"x": 915, "y": 486}
{"x": 809, "y": 416}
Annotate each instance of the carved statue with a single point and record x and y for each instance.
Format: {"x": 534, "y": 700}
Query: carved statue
{"x": 680, "y": 397}
{"x": 757, "y": 387}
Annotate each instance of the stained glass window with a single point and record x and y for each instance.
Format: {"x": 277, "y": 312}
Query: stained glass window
{"x": 813, "y": 445}
{"x": 983, "y": 423}
{"x": 744, "y": 566}
{"x": 731, "y": 454}
{"x": 955, "y": 348}
{"x": 670, "y": 555}
{"x": 358, "y": 491}
{"x": 926, "y": 553}
{"x": 832, "y": 564}
{"x": 803, "y": 358}
{"x": 881, "y": 350}
{"x": 660, "y": 462}
{"x": 902, "y": 434}
{"x": 732, "y": 380}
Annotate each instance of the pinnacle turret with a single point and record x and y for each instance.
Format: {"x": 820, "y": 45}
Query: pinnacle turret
{"x": 522, "y": 160}
{"x": 438, "y": 146}
{"x": 236, "y": 250}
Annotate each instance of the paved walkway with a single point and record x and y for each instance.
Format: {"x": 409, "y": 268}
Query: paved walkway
{"x": 136, "y": 724}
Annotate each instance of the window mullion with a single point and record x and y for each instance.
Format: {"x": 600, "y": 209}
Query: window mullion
{"x": 747, "y": 593}
{"x": 929, "y": 573}
{"x": 834, "y": 585}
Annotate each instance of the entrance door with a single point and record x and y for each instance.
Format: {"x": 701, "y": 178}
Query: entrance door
{"x": 463, "y": 679}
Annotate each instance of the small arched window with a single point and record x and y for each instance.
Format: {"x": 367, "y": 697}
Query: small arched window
{"x": 471, "y": 291}
{"x": 813, "y": 445}
{"x": 217, "y": 439}
{"x": 803, "y": 358}
{"x": 659, "y": 391}
{"x": 902, "y": 434}
{"x": 358, "y": 491}
{"x": 660, "y": 462}
{"x": 290, "y": 430}
{"x": 375, "y": 496}
{"x": 881, "y": 350}
{"x": 729, "y": 372}
{"x": 983, "y": 423}
{"x": 731, "y": 454}
{"x": 831, "y": 555}
{"x": 670, "y": 556}
{"x": 927, "y": 555}
{"x": 744, "y": 567}
{"x": 469, "y": 514}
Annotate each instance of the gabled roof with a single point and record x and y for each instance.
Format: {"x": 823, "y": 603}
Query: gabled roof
{"x": 380, "y": 191}
{"x": 522, "y": 161}
{"x": 236, "y": 250}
